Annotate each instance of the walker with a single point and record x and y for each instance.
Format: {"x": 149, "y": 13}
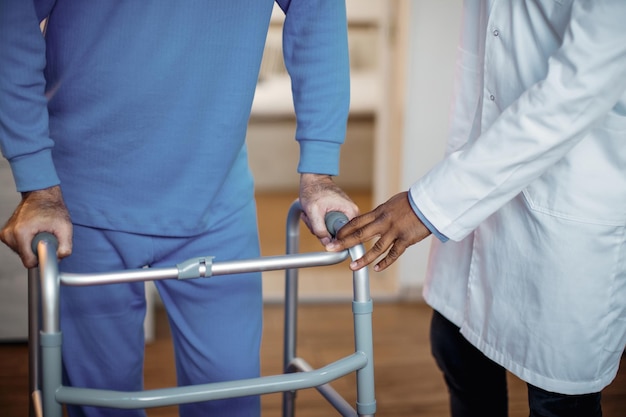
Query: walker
{"x": 48, "y": 393}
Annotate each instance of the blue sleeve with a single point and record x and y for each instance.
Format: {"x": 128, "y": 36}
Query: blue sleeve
{"x": 424, "y": 220}
{"x": 24, "y": 138}
{"x": 315, "y": 44}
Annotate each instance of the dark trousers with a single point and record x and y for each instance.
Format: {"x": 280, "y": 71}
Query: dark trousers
{"x": 477, "y": 385}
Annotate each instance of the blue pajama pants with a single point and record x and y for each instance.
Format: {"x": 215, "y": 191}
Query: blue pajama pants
{"x": 216, "y": 323}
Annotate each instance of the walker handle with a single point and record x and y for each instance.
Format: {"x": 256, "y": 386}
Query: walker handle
{"x": 335, "y": 220}
{"x": 46, "y": 237}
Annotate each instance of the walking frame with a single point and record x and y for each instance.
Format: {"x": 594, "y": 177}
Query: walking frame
{"x": 48, "y": 394}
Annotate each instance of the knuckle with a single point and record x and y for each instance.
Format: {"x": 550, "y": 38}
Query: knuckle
{"x": 395, "y": 252}
{"x": 359, "y": 233}
{"x": 378, "y": 247}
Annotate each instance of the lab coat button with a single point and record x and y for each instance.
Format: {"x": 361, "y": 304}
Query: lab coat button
{"x": 492, "y": 97}
{"x": 496, "y": 32}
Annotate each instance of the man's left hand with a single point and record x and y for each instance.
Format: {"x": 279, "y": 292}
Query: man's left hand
{"x": 319, "y": 195}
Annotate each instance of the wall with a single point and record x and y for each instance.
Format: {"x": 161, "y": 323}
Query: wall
{"x": 433, "y": 34}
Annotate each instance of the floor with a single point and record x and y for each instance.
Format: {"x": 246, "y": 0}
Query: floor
{"x": 407, "y": 381}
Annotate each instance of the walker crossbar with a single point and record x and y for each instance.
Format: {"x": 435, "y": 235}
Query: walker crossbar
{"x": 45, "y": 338}
{"x": 212, "y": 391}
{"x": 267, "y": 263}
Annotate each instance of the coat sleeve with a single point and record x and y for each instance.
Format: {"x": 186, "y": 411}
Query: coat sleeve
{"x": 315, "y": 45}
{"x": 585, "y": 78}
{"x": 24, "y": 137}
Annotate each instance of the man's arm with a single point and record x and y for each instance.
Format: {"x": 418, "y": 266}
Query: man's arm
{"x": 316, "y": 56}
{"x": 24, "y": 137}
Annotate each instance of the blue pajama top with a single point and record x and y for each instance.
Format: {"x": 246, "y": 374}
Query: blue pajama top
{"x": 139, "y": 109}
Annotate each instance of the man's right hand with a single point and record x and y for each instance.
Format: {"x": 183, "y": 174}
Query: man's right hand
{"x": 39, "y": 211}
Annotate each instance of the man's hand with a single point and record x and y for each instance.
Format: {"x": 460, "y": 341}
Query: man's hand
{"x": 319, "y": 195}
{"x": 394, "y": 223}
{"x": 39, "y": 211}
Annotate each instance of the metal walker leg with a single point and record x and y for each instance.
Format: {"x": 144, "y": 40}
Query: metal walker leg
{"x": 362, "y": 310}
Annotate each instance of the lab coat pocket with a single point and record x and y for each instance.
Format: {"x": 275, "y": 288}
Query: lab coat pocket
{"x": 589, "y": 183}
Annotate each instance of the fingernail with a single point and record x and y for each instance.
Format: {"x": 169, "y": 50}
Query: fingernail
{"x": 331, "y": 246}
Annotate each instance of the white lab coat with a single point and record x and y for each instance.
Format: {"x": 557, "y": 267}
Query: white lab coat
{"x": 532, "y": 191}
